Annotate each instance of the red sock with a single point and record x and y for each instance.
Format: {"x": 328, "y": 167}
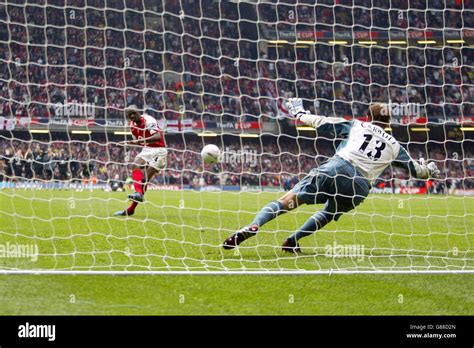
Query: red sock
{"x": 131, "y": 208}
{"x": 137, "y": 176}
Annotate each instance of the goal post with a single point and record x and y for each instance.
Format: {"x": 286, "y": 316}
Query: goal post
{"x": 219, "y": 72}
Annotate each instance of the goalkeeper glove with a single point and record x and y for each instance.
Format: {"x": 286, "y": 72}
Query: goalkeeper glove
{"x": 430, "y": 169}
{"x": 295, "y": 107}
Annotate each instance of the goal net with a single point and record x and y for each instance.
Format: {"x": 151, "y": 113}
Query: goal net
{"x": 219, "y": 72}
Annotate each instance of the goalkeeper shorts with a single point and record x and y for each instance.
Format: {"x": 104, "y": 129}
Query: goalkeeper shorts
{"x": 154, "y": 157}
{"x": 336, "y": 183}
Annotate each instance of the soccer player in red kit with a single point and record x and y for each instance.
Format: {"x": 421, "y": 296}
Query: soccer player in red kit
{"x": 150, "y": 160}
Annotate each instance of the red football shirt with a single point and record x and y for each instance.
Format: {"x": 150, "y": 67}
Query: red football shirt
{"x": 145, "y": 129}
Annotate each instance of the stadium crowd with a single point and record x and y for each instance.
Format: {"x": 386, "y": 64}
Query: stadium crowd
{"x": 192, "y": 60}
{"x": 267, "y": 163}
{"x": 197, "y": 62}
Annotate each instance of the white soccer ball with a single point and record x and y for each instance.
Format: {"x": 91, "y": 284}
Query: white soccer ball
{"x": 210, "y": 154}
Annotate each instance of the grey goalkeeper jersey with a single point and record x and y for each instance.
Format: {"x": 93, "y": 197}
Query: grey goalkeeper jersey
{"x": 368, "y": 147}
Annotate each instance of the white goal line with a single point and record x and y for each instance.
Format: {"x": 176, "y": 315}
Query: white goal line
{"x": 233, "y": 272}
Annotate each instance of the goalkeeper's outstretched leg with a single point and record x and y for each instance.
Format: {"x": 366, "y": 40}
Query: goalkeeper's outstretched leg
{"x": 336, "y": 183}
{"x": 273, "y": 209}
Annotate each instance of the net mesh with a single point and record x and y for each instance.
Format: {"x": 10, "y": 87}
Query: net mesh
{"x": 218, "y": 73}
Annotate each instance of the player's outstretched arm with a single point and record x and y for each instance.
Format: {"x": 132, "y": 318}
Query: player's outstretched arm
{"x": 420, "y": 169}
{"x": 154, "y": 137}
{"x": 332, "y": 125}
{"x": 141, "y": 141}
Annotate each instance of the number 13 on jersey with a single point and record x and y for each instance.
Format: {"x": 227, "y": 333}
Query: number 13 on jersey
{"x": 375, "y": 151}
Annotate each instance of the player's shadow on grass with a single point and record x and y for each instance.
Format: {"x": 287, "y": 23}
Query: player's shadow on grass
{"x": 270, "y": 252}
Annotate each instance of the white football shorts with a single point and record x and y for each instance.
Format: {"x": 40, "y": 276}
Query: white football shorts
{"x": 154, "y": 157}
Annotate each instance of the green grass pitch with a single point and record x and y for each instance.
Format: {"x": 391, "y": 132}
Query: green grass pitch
{"x": 183, "y": 230}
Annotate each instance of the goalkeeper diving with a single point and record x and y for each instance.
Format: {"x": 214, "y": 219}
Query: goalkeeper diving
{"x": 343, "y": 182}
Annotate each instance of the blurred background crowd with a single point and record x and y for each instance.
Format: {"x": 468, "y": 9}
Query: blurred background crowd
{"x": 194, "y": 59}
{"x": 264, "y": 162}
{"x": 208, "y": 60}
